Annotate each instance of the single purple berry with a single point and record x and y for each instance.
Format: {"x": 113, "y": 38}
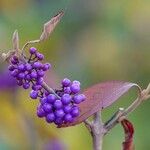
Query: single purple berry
{"x": 47, "y": 107}
{"x": 38, "y": 87}
{"x": 58, "y": 121}
{"x": 40, "y": 113}
{"x": 28, "y": 77}
{"x": 43, "y": 100}
{"x": 37, "y": 65}
{"x": 79, "y": 98}
{"x": 13, "y": 61}
{"x": 66, "y": 82}
{"x": 11, "y": 67}
{"x": 15, "y": 57}
{"x": 33, "y": 50}
{"x": 66, "y": 99}
{"x": 26, "y": 85}
{"x": 46, "y": 66}
{"x": 34, "y": 87}
{"x": 46, "y": 93}
{"x": 21, "y": 75}
{"x": 76, "y": 82}
{"x": 40, "y": 73}
{"x": 67, "y": 109}
{"x": 75, "y": 88}
{"x": 39, "y": 56}
{"x": 40, "y": 81}
{"x": 58, "y": 104}
{"x": 21, "y": 67}
{"x": 28, "y": 67}
{"x": 33, "y": 75}
{"x": 14, "y": 73}
{"x": 83, "y": 97}
{"x": 51, "y": 98}
{"x": 59, "y": 113}
{"x": 68, "y": 118}
{"x": 34, "y": 94}
{"x": 75, "y": 112}
{"x": 50, "y": 118}
{"x": 67, "y": 90}
{"x": 19, "y": 83}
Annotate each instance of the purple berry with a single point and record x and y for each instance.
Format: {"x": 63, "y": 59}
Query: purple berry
{"x": 40, "y": 81}
{"x": 51, "y": 98}
{"x": 46, "y": 93}
{"x": 67, "y": 109}
{"x": 68, "y": 118}
{"x": 40, "y": 113}
{"x": 58, "y": 104}
{"x": 15, "y": 57}
{"x": 67, "y": 90}
{"x": 11, "y": 67}
{"x": 66, "y": 82}
{"x": 66, "y": 99}
{"x": 78, "y": 98}
{"x": 46, "y": 66}
{"x": 43, "y": 100}
{"x": 26, "y": 85}
{"x": 38, "y": 87}
{"x": 21, "y": 67}
{"x": 33, "y": 75}
{"x": 33, "y": 50}
{"x": 50, "y": 118}
{"x": 14, "y": 73}
{"x": 39, "y": 56}
{"x": 75, "y": 88}
{"x": 28, "y": 67}
{"x": 13, "y": 61}
{"x": 75, "y": 112}
{"x": 59, "y": 113}
{"x": 21, "y": 75}
{"x": 19, "y": 83}
{"x": 37, "y": 65}
{"x": 58, "y": 121}
{"x": 34, "y": 94}
{"x": 28, "y": 77}
{"x": 76, "y": 82}
{"x": 47, "y": 107}
{"x": 40, "y": 73}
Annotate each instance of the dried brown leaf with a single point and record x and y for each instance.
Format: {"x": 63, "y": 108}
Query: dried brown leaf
{"x": 50, "y": 26}
{"x": 15, "y": 41}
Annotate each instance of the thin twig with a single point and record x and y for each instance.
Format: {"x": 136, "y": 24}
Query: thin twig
{"x": 144, "y": 95}
{"x": 50, "y": 90}
{"x": 29, "y": 42}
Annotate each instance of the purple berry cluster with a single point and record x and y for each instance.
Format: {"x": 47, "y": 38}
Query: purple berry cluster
{"x": 58, "y": 106}
{"x": 61, "y": 109}
{"x": 30, "y": 71}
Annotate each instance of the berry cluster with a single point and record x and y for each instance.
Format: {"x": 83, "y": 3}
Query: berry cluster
{"x": 29, "y": 71}
{"x": 62, "y": 108}
{"x": 58, "y": 106}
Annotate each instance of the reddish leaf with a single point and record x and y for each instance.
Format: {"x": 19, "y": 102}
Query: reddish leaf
{"x": 52, "y": 79}
{"x": 129, "y": 132}
{"x": 50, "y": 26}
{"x": 99, "y": 97}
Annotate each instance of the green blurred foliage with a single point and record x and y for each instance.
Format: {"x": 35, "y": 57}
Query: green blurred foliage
{"x": 95, "y": 41}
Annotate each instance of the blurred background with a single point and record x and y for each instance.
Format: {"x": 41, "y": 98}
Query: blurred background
{"x": 95, "y": 41}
